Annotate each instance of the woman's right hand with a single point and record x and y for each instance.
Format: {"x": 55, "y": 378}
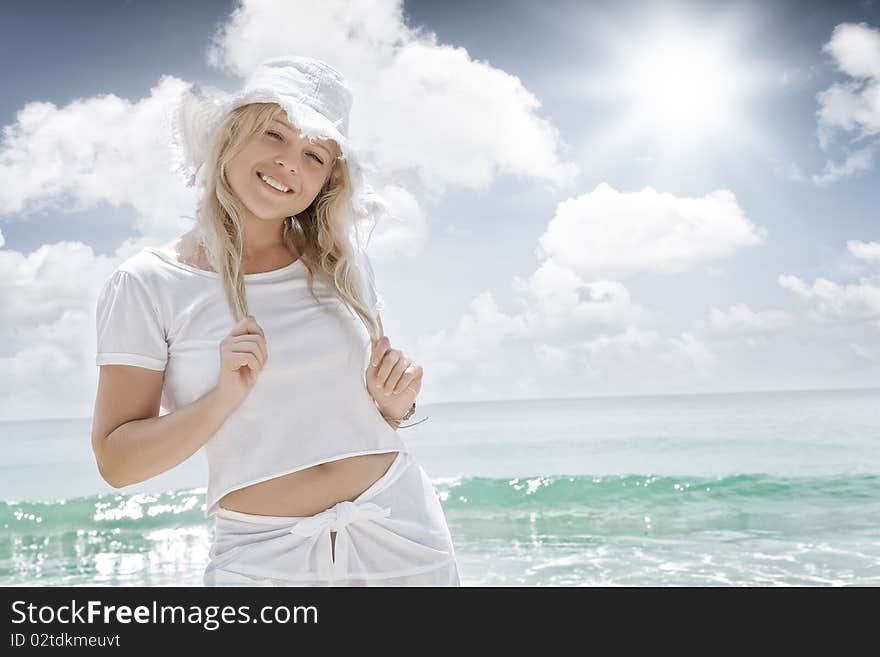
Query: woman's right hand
{"x": 243, "y": 356}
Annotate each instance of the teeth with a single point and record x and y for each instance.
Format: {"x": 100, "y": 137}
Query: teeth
{"x": 271, "y": 181}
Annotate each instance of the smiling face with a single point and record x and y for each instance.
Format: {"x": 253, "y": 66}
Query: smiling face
{"x": 282, "y": 154}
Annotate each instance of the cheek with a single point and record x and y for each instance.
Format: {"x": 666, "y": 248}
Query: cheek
{"x": 246, "y": 159}
{"x": 239, "y": 183}
{"x": 233, "y": 175}
{"x": 313, "y": 183}
{"x": 237, "y": 171}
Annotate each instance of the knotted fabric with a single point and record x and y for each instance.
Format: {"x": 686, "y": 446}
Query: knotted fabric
{"x": 337, "y": 518}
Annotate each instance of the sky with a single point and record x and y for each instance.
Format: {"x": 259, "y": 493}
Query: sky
{"x": 588, "y": 198}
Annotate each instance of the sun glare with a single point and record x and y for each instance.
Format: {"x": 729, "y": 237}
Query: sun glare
{"x": 674, "y": 88}
{"x": 681, "y": 90}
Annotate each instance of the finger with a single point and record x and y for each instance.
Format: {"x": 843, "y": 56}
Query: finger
{"x": 249, "y": 347}
{"x": 405, "y": 379}
{"x": 375, "y": 353}
{"x": 247, "y": 325}
{"x": 380, "y": 346}
{"x": 395, "y": 374}
{"x": 251, "y": 338}
{"x": 252, "y": 345}
{"x": 242, "y": 359}
{"x": 389, "y": 360}
{"x": 249, "y": 359}
{"x": 255, "y": 339}
{"x": 402, "y": 385}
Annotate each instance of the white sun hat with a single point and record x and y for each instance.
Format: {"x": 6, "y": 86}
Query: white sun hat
{"x": 317, "y": 101}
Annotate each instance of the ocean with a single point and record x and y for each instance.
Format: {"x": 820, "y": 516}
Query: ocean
{"x": 737, "y": 489}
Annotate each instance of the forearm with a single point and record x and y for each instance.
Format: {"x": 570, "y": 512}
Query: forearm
{"x": 141, "y": 449}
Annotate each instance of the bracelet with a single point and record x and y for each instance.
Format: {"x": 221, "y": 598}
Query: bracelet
{"x": 407, "y": 426}
{"x": 409, "y": 414}
{"x": 412, "y": 409}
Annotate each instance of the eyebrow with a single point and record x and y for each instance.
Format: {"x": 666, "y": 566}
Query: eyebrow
{"x": 317, "y": 143}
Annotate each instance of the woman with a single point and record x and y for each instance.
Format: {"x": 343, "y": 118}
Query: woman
{"x": 309, "y": 481}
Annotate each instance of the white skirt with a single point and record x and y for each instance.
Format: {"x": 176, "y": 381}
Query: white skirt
{"x": 392, "y": 534}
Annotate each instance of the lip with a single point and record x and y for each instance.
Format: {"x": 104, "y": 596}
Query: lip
{"x": 272, "y": 189}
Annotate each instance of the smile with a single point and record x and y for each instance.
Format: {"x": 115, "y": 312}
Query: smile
{"x": 271, "y": 186}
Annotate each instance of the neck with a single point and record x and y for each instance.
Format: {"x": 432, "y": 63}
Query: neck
{"x": 262, "y": 236}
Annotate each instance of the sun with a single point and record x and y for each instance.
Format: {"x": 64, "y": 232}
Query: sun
{"x": 676, "y": 89}
{"x": 681, "y": 89}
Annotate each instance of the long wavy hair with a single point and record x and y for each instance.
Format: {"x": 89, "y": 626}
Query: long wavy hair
{"x": 321, "y": 233}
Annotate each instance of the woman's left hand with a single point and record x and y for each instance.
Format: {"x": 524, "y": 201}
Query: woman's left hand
{"x": 393, "y": 380}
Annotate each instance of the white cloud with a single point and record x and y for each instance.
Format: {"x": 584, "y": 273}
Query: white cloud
{"x": 51, "y": 374}
{"x": 872, "y": 356}
{"x": 475, "y": 345}
{"x": 404, "y": 230}
{"x": 491, "y": 353}
{"x": 582, "y": 328}
{"x": 360, "y": 35}
{"x": 97, "y": 150}
{"x": 636, "y": 356}
{"x": 48, "y": 329}
{"x": 867, "y": 251}
{"x": 741, "y": 321}
{"x": 854, "y": 104}
{"x": 829, "y": 302}
{"x": 40, "y": 287}
{"x": 554, "y": 360}
{"x": 560, "y": 305}
{"x": 856, "y": 162}
{"x": 843, "y": 106}
{"x": 611, "y": 234}
{"x": 855, "y": 48}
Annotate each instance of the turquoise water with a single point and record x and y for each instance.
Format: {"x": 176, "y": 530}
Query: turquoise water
{"x": 773, "y": 489}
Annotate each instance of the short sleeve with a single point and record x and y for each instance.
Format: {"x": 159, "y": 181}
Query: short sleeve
{"x": 373, "y": 295}
{"x": 129, "y": 329}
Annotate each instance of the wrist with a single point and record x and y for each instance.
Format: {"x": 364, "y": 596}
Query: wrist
{"x": 398, "y": 420}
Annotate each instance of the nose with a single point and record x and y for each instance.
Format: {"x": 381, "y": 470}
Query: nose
{"x": 281, "y": 163}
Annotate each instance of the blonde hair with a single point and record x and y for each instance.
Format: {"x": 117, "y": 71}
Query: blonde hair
{"x": 320, "y": 233}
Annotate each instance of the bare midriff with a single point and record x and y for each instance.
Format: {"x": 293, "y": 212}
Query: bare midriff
{"x": 311, "y": 490}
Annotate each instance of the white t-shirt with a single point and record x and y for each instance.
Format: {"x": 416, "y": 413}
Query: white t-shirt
{"x": 309, "y": 405}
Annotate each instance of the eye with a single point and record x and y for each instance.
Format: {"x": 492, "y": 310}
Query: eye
{"x": 317, "y": 159}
